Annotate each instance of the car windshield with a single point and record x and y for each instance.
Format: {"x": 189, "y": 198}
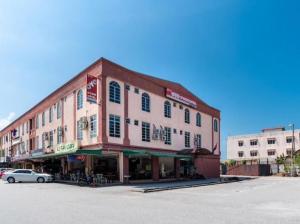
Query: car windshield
{"x": 36, "y": 171}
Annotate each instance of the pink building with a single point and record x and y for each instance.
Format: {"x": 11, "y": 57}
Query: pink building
{"x": 120, "y": 123}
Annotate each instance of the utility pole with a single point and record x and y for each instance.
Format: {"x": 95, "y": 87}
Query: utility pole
{"x": 293, "y": 148}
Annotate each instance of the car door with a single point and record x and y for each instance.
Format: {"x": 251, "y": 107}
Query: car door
{"x": 28, "y": 176}
{"x": 18, "y": 175}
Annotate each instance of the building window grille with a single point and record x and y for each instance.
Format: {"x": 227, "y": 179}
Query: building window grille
{"x": 168, "y": 138}
{"x": 145, "y": 102}
{"x": 241, "y": 143}
{"x": 198, "y": 141}
{"x": 187, "y": 139}
{"x": 145, "y": 132}
{"x": 114, "y": 92}
{"x": 216, "y": 128}
{"x": 58, "y": 110}
{"x": 93, "y": 126}
{"x": 253, "y": 142}
{"x": 79, "y": 131}
{"x": 114, "y": 126}
{"x": 79, "y": 99}
{"x": 253, "y": 153}
{"x": 271, "y": 141}
{"x": 50, "y": 115}
{"x": 187, "y": 116}
{"x": 198, "y": 120}
{"x": 241, "y": 154}
{"x": 167, "y": 109}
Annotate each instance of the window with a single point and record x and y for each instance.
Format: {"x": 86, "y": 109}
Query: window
{"x": 289, "y": 139}
{"x": 216, "y": 128}
{"x": 37, "y": 121}
{"x": 271, "y": 141}
{"x": 145, "y": 102}
{"x": 253, "y": 142}
{"x": 167, "y": 109}
{"x": 51, "y": 138}
{"x": 145, "y": 132}
{"x": 114, "y": 92}
{"x": 59, "y": 135}
{"x": 136, "y": 90}
{"x": 241, "y": 143}
{"x": 187, "y": 139}
{"x": 58, "y": 110}
{"x": 198, "y": 141}
{"x": 23, "y": 171}
{"x": 136, "y": 122}
{"x": 241, "y": 154}
{"x": 168, "y": 139}
{"x": 289, "y": 152}
{"x": 198, "y": 120}
{"x": 271, "y": 152}
{"x": 79, "y": 99}
{"x": 79, "y": 131}
{"x": 253, "y": 153}
{"x": 187, "y": 116}
{"x": 93, "y": 126}
{"x": 114, "y": 126}
{"x": 27, "y": 128}
{"x": 43, "y": 119}
{"x": 50, "y": 114}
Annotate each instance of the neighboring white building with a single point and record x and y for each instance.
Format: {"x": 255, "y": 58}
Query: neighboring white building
{"x": 264, "y": 146}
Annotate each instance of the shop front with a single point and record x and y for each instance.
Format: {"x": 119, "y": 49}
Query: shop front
{"x": 153, "y": 165}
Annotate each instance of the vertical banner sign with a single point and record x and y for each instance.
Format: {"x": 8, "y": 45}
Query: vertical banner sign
{"x": 91, "y": 89}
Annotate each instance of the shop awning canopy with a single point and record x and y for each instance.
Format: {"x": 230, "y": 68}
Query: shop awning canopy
{"x": 91, "y": 152}
{"x": 132, "y": 152}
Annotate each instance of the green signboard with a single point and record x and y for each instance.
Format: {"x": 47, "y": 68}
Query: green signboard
{"x": 66, "y": 148}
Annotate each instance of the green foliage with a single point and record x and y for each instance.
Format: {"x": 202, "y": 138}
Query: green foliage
{"x": 281, "y": 159}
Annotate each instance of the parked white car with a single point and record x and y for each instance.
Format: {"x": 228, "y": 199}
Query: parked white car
{"x": 26, "y": 175}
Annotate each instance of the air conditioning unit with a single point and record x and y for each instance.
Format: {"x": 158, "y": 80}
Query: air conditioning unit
{"x": 84, "y": 123}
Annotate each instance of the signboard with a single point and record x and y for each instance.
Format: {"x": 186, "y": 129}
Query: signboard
{"x": 158, "y": 133}
{"x": 37, "y": 152}
{"x": 66, "y": 148}
{"x": 91, "y": 89}
{"x": 177, "y": 97}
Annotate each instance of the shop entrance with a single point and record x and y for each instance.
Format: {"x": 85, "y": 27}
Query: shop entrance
{"x": 140, "y": 168}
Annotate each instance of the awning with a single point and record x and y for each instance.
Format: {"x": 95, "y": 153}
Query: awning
{"x": 91, "y": 152}
{"x": 131, "y": 152}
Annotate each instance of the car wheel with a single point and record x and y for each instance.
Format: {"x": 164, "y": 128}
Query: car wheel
{"x": 11, "y": 180}
{"x": 41, "y": 180}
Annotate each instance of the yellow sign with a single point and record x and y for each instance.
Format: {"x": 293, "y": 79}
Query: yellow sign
{"x": 66, "y": 148}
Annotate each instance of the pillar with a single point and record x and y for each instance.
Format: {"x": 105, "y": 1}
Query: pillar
{"x": 155, "y": 168}
{"x": 177, "y": 168}
{"x": 123, "y": 166}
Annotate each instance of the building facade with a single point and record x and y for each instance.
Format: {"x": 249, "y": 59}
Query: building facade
{"x": 264, "y": 146}
{"x": 111, "y": 119}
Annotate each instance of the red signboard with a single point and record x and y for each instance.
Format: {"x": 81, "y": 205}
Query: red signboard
{"x": 177, "y": 97}
{"x": 91, "y": 89}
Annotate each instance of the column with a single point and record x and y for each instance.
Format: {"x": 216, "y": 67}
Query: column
{"x": 155, "y": 168}
{"x": 123, "y": 166}
{"x": 177, "y": 168}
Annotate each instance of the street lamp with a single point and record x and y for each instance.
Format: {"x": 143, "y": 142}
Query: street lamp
{"x": 293, "y": 148}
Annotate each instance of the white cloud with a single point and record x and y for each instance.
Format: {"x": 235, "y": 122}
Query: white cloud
{"x": 7, "y": 120}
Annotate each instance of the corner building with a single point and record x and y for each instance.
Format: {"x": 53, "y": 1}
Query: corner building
{"x": 117, "y": 122}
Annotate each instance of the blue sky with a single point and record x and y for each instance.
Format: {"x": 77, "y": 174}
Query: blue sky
{"x": 241, "y": 56}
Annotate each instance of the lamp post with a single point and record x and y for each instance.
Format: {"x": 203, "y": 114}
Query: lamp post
{"x": 293, "y": 148}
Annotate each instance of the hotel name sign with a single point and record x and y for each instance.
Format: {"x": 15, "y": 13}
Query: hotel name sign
{"x": 177, "y": 97}
{"x": 66, "y": 148}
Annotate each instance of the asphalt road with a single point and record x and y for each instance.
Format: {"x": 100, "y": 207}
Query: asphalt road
{"x": 264, "y": 200}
